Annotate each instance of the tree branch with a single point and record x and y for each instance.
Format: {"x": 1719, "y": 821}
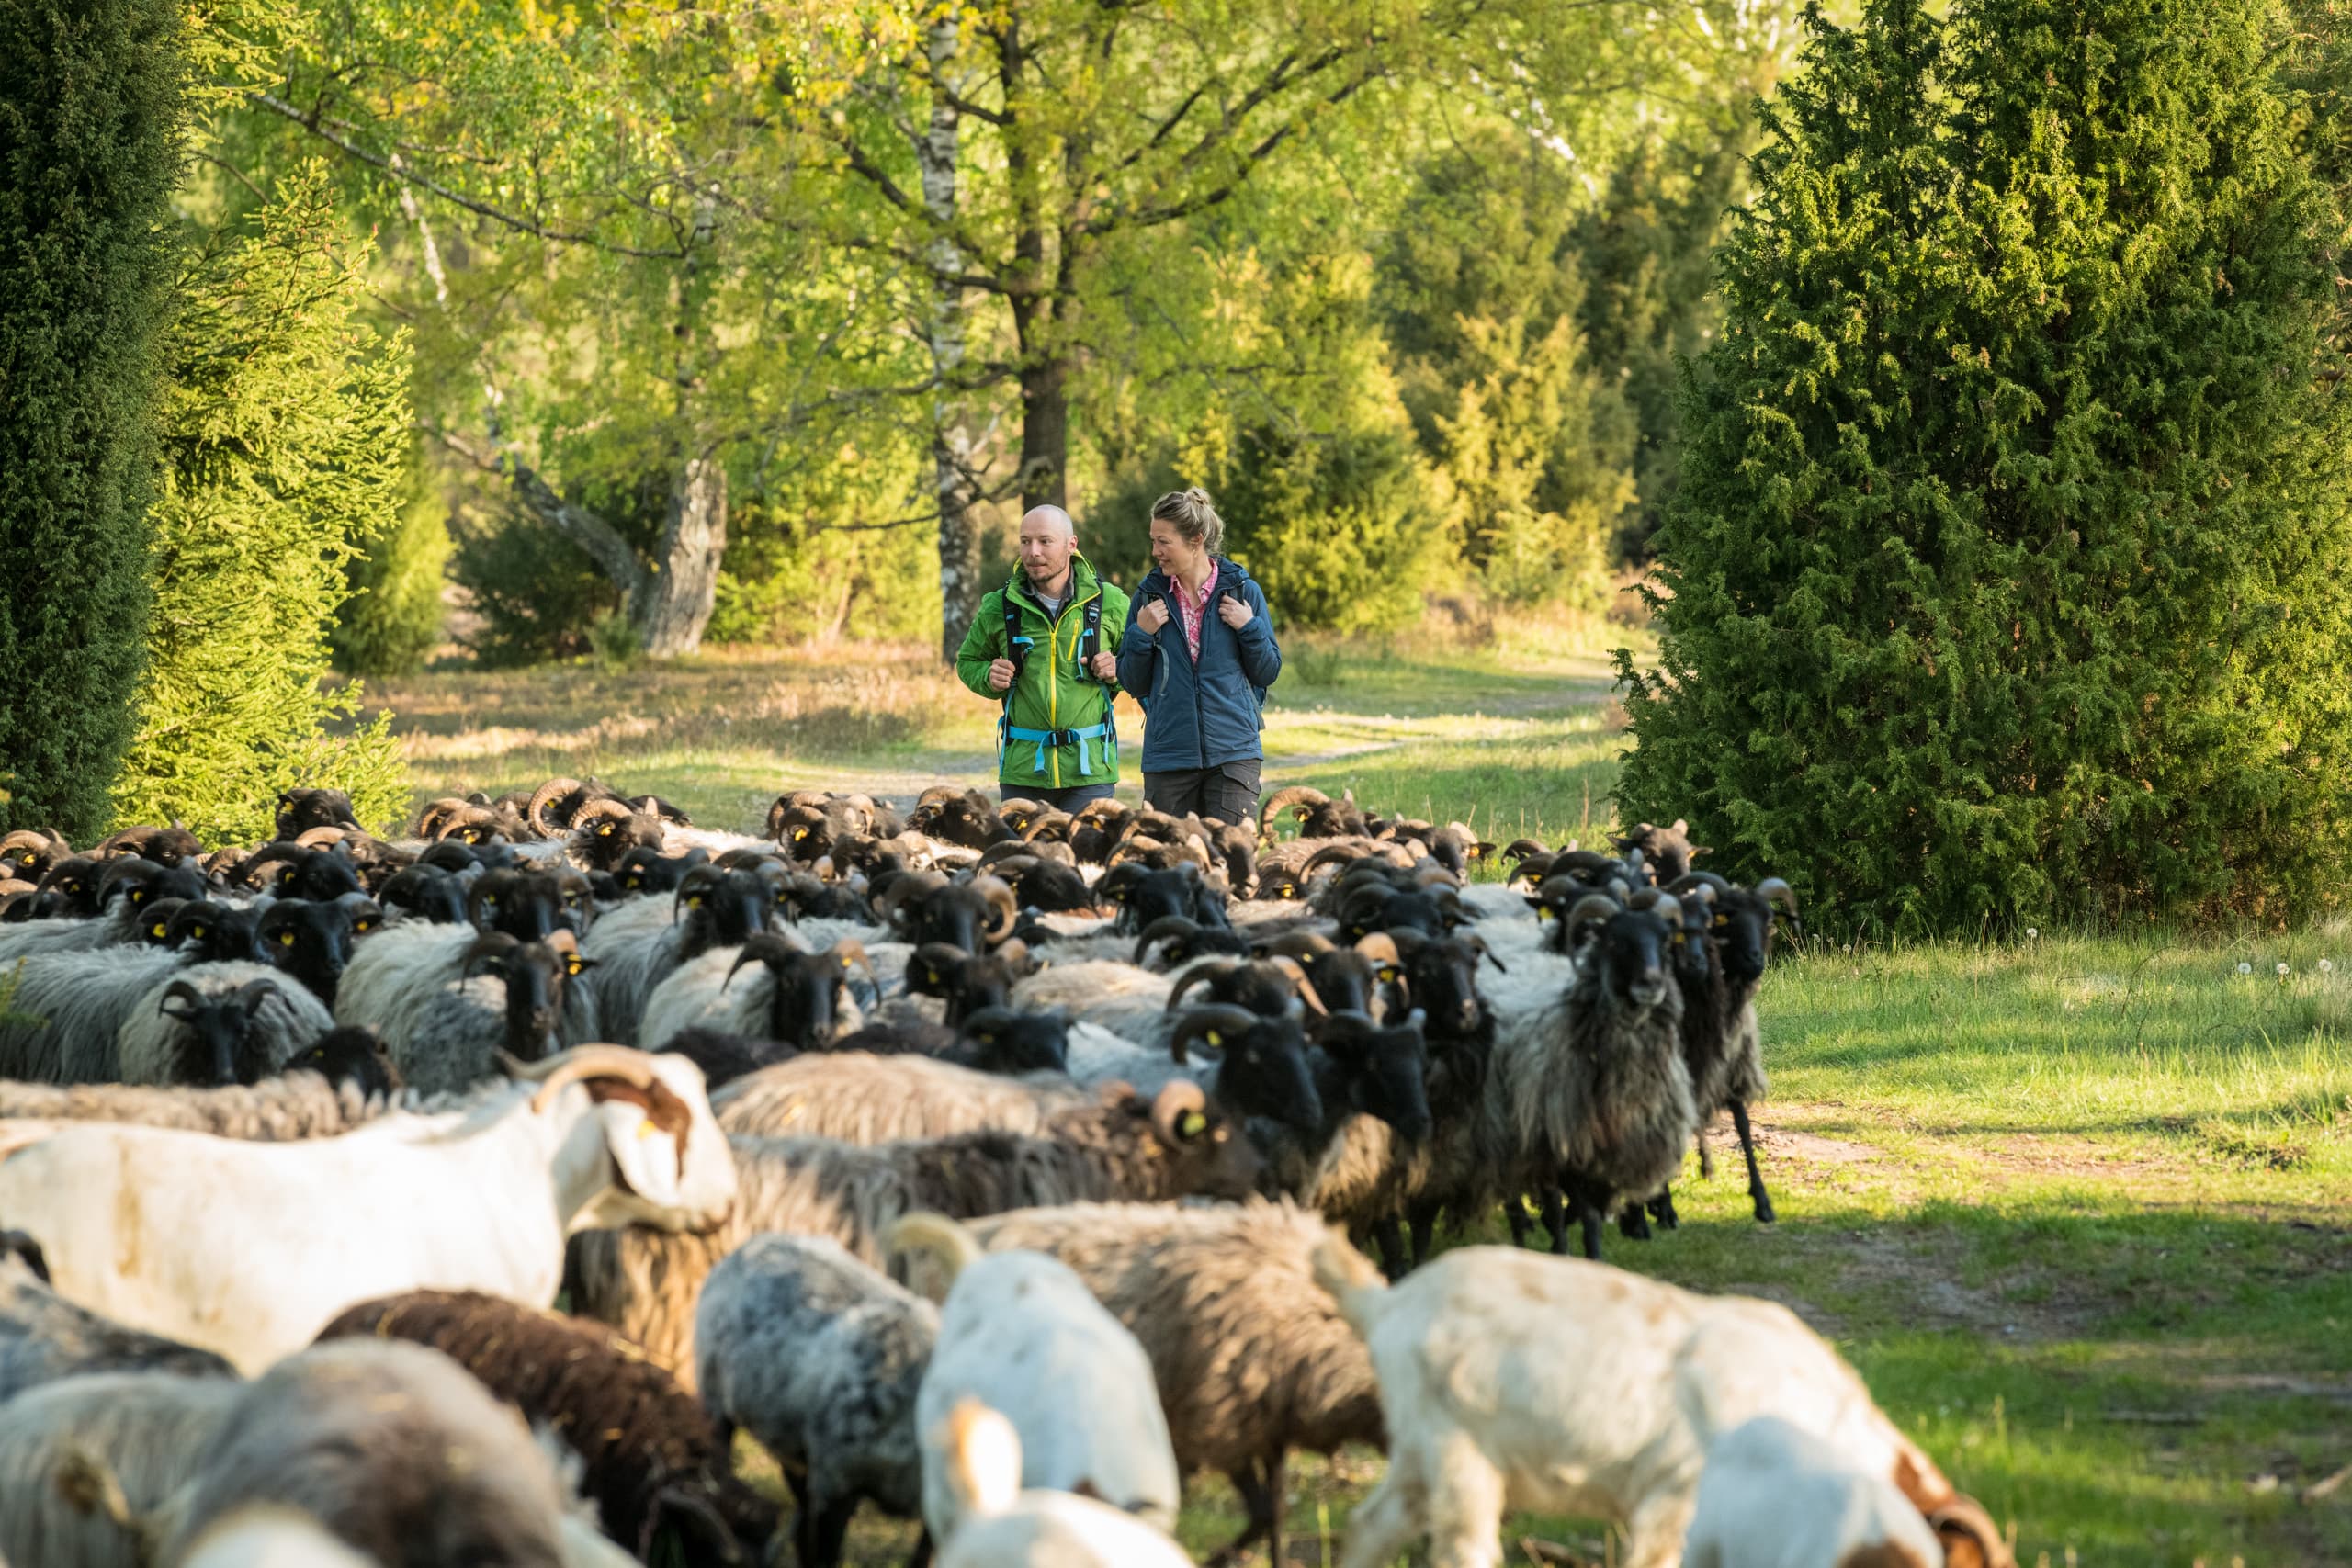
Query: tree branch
{"x": 581, "y": 526}
{"x": 312, "y": 122}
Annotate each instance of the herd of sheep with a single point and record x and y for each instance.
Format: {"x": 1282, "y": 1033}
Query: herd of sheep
{"x": 993, "y": 1166}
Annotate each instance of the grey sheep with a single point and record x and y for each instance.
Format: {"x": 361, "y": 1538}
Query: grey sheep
{"x": 1250, "y": 1358}
{"x": 819, "y": 1356}
{"x": 393, "y": 1448}
{"x": 511, "y": 997}
{"x": 43, "y": 1336}
{"x": 282, "y": 1110}
{"x": 69, "y": 1008}
{"x": 645, "y": 1283}
{"x": 276, "y": 1018}
{"x": 862, "y": 1098}
{"x": 145, "y": 1431}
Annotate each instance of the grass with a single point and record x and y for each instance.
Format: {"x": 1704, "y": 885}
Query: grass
{"x": 2078, "y": 1207}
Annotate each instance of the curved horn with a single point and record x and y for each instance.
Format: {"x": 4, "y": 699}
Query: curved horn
{"x": 1667, "y": 909}
{"x": 698, "y": 879}
{"x": 544, "y": 796}
{"x": 1201, "y": 1020}
{"x": 252, "y": 993}
{"x": 1585, "y": 910}
{"x": 1776, "y": 891}
{"x": 1177, "y": 1098}
{"x": 179, "y": 991}
{"x": 1281, "y": 800}
{"x": 558, "y": 1073}
{"x": 999, "y": 893}
{"x": 1379, "y": 947}
{"x": 1166, "y": 926}
{"x": 764, "y": 947}
{"x": 1196, "y": 975}
{"x": 1707, "y": 879}
{"x": 849, "y": 950}
{"x": 488, "y": 944}
{"x": 1301, "y": 985}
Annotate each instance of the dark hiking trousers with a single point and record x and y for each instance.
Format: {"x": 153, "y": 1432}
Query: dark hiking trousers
{"x": 1068, "y": 799}
{"x": 1229, "y": 794}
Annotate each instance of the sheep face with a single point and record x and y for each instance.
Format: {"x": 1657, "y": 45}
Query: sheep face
{"x": 214, "y": 1044}
{"x": 216, "y": 934}
{"x": 1442, "y": 977}
{"x": 967, "y": 915}
{"x": 537, "y": 973}
{"x": 1207, "y": 1154}
{"x": 720, "y": 908}
{"x": 1385, "y": 1071}
{"x": 425, "y": 893}
{"x": 354, "y": 1055}
{"x": 1146, "y": 896}
{"x": 311, "y": 942}
{"x": 1262, "y": 1069}
{"x": 141, "y": 882}
{"x": 1009, "y": 1042}
{"x": 299, "y": 811}
{"x": 527, "y": 904}
{"x": 966, "y": 820}
{"x": 1631, "y": 951}
{"x": 647, "y": 870}
{"x": 72, "y": 887}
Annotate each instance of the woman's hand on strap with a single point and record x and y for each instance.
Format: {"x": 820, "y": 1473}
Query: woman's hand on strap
{"x": 1152, "y": 616}
{"x": 1235, "y": 611}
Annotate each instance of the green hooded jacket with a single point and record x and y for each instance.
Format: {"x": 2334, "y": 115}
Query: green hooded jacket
{"x": 1053, "y": 694}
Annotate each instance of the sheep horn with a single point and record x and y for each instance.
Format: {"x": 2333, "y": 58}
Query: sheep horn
{"x": 1298, "y": 945}
{"x": 1707, "y": 879}
{"x": 1667, "y": 908}
{"x": 1301, "y": 984}
{"x": 1200, "y": 1019}
{"x": 543, "y": 798}
{"x": 252, "y": 993}
{"x": 488, "y": 944}
{"x": 558, "y": 1073}
{"x": 1197, "y": 974}
{"x": 1176, "y": 1099}
{"x": 1964, "y": 1516}
{"x": 938, "y": 795}
{"x": 1281, "y": 801}
{"x": 1379, "y": 947}
{"x": 178, "y": 992}
{"x": 999, "y": 893}
{"x": 1775, "y": 891}
{"x": 1166, "y": 926}
{"x": 849, "y": 950}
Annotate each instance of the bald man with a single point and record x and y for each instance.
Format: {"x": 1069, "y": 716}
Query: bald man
{"x": 1046, "y": 646}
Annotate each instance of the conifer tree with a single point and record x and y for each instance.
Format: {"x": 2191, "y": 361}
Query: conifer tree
{"x": 286, "y": 440}
{"x": 2006, "y": 576}
{"x": 90, "y": 123}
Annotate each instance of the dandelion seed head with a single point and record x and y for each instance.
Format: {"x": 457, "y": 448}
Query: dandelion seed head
{"x": 2282, "y": 970}
{"x": 2245, "y": 968}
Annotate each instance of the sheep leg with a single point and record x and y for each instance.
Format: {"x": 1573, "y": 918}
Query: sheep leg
{"x": 1378, "y": 1529}
{"x": 1260, "y": 1486}
{"x": 1424, "y": 1223}
{"x": 1391, "y": 1242}
{"x": 1634, "y": 1221}
{"x": 1465, "y": 1508}
{"x": 1515, "y": 1212}
{"x": 1590, "y": 1201}
{"x": 1555, "y": 1218}
{"x": 1764, "y": 1214}
{"x": 922, "y": 1558}
{"x": 1662, "y": 1210}
{"x": 827, "y": 1531}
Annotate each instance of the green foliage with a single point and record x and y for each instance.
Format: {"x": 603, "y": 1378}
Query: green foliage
{"x": 391, "y": 623}
{"x": 819, "y": 554}
{"x": 2005, "y": 574}
{"x": 534, "y": 593}
{"x": 91, "y": 111}
{"x": 1337, "y": 527}
{"x": 1480, "y": 295}
{"x": 285, "y": 440}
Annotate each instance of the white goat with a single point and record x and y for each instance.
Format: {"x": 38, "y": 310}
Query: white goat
{"x": 1558, "y": 1386}
{"x": 249, "y": 1249}
{"x": 1774, "y": 1495}
{"x": 1020, "y": 1332}
{"x": 1004, "y": 1526}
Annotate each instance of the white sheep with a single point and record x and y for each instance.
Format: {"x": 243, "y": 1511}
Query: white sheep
{"x": 1004, "y": 1526}
{"x": 1774, "y": 1495}
{"x": 1022, "y": 1334}
{"x": 249, "y": 1248}
{"x": 1515, "y": 1382}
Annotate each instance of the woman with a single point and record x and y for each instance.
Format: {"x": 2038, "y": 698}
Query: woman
{"x": 1199, "y": 653}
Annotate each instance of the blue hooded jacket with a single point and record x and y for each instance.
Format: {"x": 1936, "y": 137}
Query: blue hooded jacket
{"x": 1208, "y": 715}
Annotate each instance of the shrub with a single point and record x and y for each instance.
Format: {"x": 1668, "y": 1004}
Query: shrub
{"x": 2006, "y": 573}
{"x": 91, "y": 112}
{"x": 391, "y": 623}
{"x": 286, "y": 440}
{"x": 536, "y": 592}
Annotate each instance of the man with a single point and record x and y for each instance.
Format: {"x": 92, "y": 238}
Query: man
{"x": 1046, "y": 644}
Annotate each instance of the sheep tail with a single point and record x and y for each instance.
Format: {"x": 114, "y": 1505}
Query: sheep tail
{"x": 934, "y": 1235}
{"x": 1352, "y": 1280}
{"x": 983, "y": 1458}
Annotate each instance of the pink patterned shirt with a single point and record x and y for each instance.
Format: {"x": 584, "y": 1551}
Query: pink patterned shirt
{"x": 1189, "y": 610}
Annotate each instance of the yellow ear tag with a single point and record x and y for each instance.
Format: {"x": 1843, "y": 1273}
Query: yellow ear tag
{"x": 363, "y": 925}
{"x": 572, "y": 966}
{"x": 645, "y": 1129}
{"x": 634, "y": 882}
{"x": 197, "y": 931}
{"x": 844, "y": 961}
{"x": 155, "y": 931}
{"x": 695, "y": 902}
{"x": 798, "y": 834}
{"x": 1535, "y": 882}
{"x": 1542, "y": 914}
{"x": 284, "y": 939}
{"x": 1191, "y": 1125}
{"x": 1213, "y": 1038}
{"x": 604, "y": 829}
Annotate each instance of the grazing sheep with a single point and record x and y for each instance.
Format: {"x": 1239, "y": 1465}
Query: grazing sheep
{"x": 393, "y": 1448}
{"x": 819, "y": 1356}
{"x": 1003, "y": 1525}
{"x": 862, "y": 1098}
{"x": 1773, "y": 1495}
{"x": 43, "y": 1336}
{"x": 145, "y": 1431}
{"x": 1515, "y": 1382}
{"x": 1019, "y": 1332}
{"x": 650, "y": 1458}
{"x": 1251, "y": 1360}
{"x": 218, "y": 1023}
{"x": 156, "y": 1227}
{"x": 1117, "y": 1145}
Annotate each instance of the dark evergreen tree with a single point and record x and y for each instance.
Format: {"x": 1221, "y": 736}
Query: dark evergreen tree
{"x": 2007, "y": 575}
{"x": 90, "y": 126}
